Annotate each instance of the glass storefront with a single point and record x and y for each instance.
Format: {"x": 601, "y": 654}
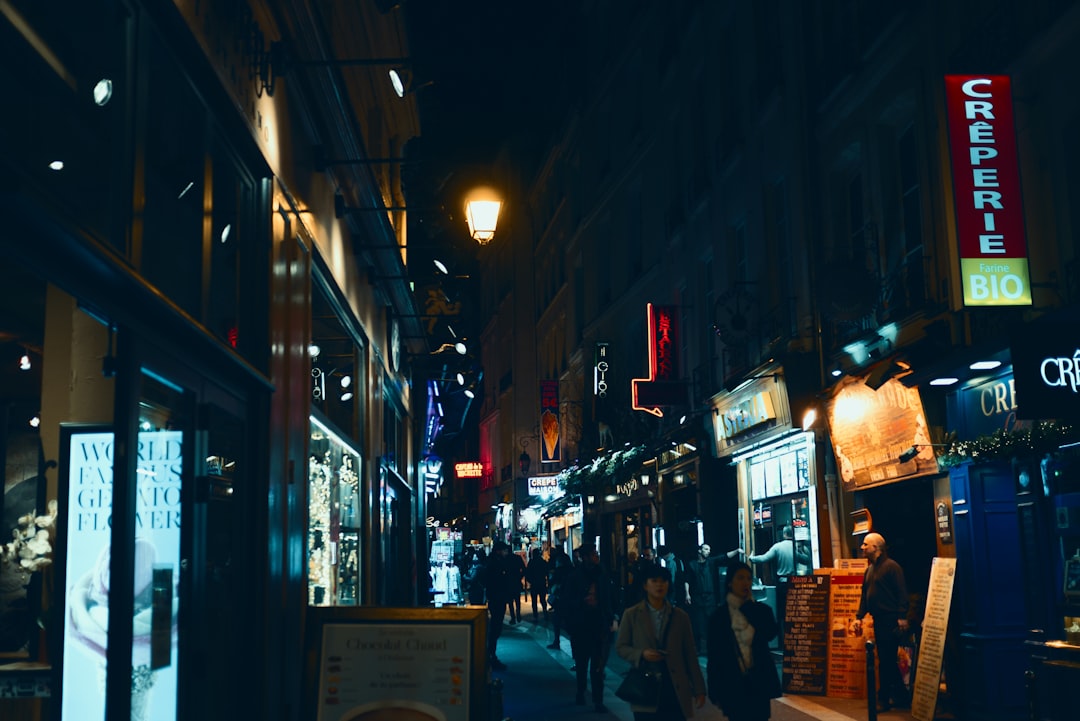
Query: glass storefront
{"x": 333, "y": 519}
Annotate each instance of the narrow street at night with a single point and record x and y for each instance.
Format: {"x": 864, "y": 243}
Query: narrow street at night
{"x": 538, "y": 685}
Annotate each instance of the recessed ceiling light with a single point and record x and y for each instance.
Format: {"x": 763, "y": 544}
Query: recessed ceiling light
{"x": 441, "y": 267}
{"x": 984, "y": 365}
{"x": 944, "y": 381}
{"x": 56, "y": 165}
{"x": 225, "y": 232}
{"x": 460, "y": 348}
{"x": 469, "y": 393}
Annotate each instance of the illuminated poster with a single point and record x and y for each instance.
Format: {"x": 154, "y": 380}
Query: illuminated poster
{"x": 549, "y": 422}
{"x": 986, "y": 186}
{"x": 371, "y": 672}
{"x": 871, "y": 429}
{"x": 157, "y": 563}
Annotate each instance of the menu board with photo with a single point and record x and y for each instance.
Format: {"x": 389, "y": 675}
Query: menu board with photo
{"x": 806, "y": 625}
{"x": 419, "y": 664}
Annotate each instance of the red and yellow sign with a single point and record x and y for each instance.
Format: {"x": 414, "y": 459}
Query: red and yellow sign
{"x": 469, "y": 469}
{"x": 986, "y": 186}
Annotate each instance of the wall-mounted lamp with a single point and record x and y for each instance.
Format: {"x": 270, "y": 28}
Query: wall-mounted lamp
{"x": 482, "y": 208}
{"x": 524, "y": 462}
{"x": 808, "y": 418}
{"x": 910, "y": 453}
{"x": 837, "y": 371}
{"x": 24, "y": 362}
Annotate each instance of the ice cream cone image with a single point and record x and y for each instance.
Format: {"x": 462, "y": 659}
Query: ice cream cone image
{"x": 549, "y": 426}
{"x": 88, "y": 620}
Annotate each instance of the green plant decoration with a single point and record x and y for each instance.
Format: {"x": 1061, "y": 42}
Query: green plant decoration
{"x": 1041, "y": 438}
{"x": 603, "y": 472}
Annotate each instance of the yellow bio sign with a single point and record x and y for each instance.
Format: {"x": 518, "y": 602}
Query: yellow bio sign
{"x": 1001, "y": 282}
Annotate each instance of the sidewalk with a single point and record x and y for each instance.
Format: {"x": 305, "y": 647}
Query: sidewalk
{"x": 538, "y": 685}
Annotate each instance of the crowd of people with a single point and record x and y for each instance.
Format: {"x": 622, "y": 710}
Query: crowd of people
{"x": 665, "y": 615}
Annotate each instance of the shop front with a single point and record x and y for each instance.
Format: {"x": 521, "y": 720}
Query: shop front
{"x": 776, "y": 465}
{"x": 627, "y": 523}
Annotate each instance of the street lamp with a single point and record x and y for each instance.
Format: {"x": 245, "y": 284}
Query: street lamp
{"x": 482, "y": 213}
{"x": 525, "y": 461}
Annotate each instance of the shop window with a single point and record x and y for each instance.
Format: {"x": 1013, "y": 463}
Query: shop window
{"x": 22, "y": 475}
{"x": 334, "y": 472}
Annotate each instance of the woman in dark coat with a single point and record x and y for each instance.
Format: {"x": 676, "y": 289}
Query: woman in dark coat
{"x": 741, "y": 671}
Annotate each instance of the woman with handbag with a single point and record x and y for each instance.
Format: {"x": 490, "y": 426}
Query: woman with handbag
{"x": 665, "y": 682}
{"x": 742, "y": 673}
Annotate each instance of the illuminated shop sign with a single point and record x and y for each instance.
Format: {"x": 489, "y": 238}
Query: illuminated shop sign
{"x": 745, "y": 415}
{"x": 1046, "y": 369}
{"x": 544, "y": 486}
{"x": 662, "y": 387}
{"x": 986, "y": 187}
{"x": 871, "y": 429}
{"x": 601, "y": 368}
{"x": 469, "y": 469}
{"x": 549, "y": 422}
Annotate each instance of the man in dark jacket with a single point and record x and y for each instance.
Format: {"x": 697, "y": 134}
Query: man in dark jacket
{"x": 884, "y": 596}
{"x": 500, "y": 577}
{"x": 590, "y": 614}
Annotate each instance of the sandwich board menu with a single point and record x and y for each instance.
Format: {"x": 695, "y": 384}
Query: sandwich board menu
{"x": 847, "y": 643}
{"x": 806, "y": 625}
{"x": 400, "y": 663}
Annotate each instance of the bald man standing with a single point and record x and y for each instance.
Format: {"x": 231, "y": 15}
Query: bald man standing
{"x": 884, "y": 596}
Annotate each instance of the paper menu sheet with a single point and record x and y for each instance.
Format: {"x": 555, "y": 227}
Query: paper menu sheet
{"x": 364, "y": 663}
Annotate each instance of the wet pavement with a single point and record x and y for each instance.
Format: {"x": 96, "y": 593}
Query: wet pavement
{"x": 538, "y": 685}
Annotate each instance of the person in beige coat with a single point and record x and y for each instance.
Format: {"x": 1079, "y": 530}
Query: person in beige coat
{"x": 642, "y": 627}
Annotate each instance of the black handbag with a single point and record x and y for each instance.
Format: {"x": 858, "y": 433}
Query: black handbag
{"x": 641, "y": 685}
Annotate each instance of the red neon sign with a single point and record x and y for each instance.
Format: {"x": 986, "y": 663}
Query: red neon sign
{"x": 662, "y": 387}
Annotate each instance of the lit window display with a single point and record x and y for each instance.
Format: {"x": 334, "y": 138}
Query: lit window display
{"x": 333, "y": 519}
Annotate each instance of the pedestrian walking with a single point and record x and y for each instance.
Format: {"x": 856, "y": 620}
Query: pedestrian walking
{"x": 536, "y": 575}
{"x": 741, "y": 670}
{"x": 500, "y": 576}
{"x": 589, "y": 612}
{"x": 517, "y": 563}
{"x": 655, "y": 633}
{"x": 560, "y": 568}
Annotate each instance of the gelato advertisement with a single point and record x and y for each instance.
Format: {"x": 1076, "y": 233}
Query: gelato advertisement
{"x": 157, "y": 563}
{"x": 398, "y": 671}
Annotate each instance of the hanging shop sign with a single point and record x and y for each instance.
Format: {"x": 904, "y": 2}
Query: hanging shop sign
{"x": 469, "y": 469}
{"x": 986, "y": 187}
{"x": 1046, "y": 368}
{"x": 544, "y": 486}
{"x": 751, "y": 415}
{"x": 663, "y": 387}
{"x": 549, "y": 422}
{"x": 871, "y": 429}
{"x": 601, "y": 368}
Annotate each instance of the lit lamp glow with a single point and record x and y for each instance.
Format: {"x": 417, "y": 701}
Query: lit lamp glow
{"x": 482, "y": 213}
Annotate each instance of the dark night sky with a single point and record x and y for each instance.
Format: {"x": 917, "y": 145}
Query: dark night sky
{"x": 498, "y": 69}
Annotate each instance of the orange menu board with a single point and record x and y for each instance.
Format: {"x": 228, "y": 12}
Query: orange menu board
{"x": 847, "y": 645}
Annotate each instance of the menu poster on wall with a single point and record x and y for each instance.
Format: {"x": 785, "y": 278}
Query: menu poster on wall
{"x": 806, "y": 626}
{"x": 932, "y": 642}
{"x": 87, "y": 472}
{"x": 374, "y": 671}
{"x": 847, "y": 645}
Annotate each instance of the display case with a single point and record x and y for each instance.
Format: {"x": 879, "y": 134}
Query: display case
{"x": 333, "y": 518}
